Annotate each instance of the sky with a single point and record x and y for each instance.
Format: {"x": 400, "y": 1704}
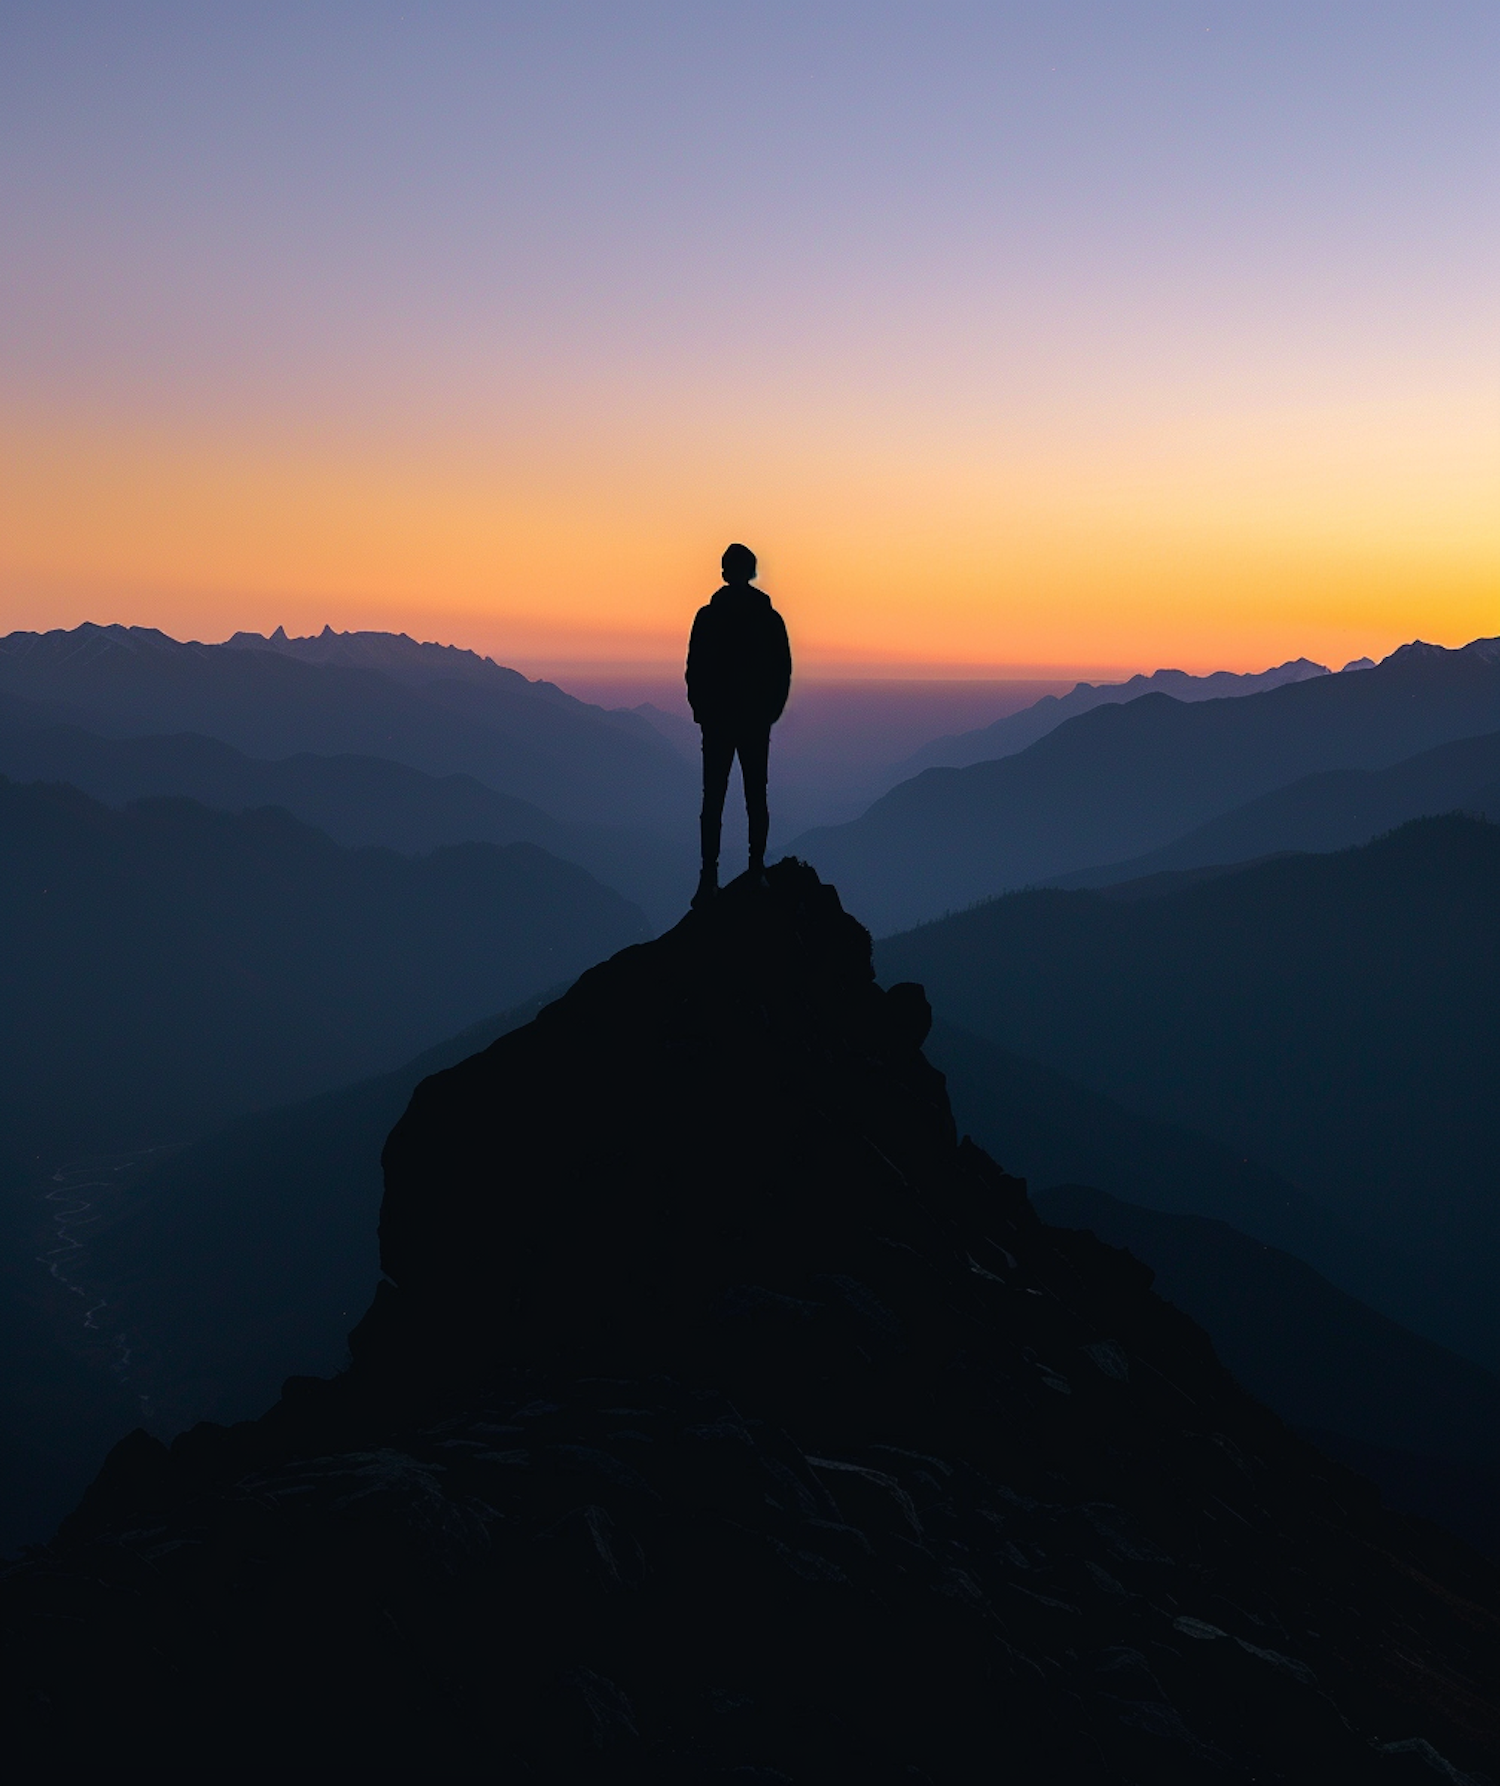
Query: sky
{"x": 1015, "y": 338}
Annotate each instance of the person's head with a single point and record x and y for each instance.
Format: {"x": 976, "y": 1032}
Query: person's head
{"x": 739, "y": 564}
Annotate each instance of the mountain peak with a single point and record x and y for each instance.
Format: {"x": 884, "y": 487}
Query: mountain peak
{"x": 394, "y": 654}
{"x": 723, "y": 1053}
{"x": 93, "y": 639}
{"x": 1483, "y": 650}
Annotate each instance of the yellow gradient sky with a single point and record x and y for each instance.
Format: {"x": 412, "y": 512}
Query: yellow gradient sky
{"x": 1007, "y": 342}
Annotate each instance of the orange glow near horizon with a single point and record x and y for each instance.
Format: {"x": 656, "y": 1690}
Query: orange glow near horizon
{"x": 1328, "y": 536}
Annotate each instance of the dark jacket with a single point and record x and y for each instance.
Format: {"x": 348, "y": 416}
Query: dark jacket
{"x": 739, "y": 664}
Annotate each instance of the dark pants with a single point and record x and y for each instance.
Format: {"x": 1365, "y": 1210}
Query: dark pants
{"x": 721, "y": 745}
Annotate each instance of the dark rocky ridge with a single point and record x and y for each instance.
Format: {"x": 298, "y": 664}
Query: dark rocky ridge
{"x": 728, "y": 1418}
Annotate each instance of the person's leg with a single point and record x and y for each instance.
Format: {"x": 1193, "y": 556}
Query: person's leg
{"x": 754, "y": 750}
{"x": 718, "y": 755}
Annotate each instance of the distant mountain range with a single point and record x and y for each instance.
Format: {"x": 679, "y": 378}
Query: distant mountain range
{"x": 1335, "y": 1017}
{"x": 433, "y": 708}
{"x": 379, "y": 738}
{"x": 356, "y": 799}
{"x": 1004, "y": 737}
{"x": 396, "y": 655}
{"x": 182, "y": 964}
{"x": 1125, "y": 779}
{"x": 1331, "y": 811}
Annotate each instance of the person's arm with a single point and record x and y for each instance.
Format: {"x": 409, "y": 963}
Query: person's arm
{"x": 781, "y": 665}
{"x": 697, "y": 653}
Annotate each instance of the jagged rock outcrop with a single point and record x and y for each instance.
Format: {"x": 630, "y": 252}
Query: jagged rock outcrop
{"x": 727, "y": 1417}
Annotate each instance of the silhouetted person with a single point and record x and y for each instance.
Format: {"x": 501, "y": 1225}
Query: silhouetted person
{"x": 739, "y": 673}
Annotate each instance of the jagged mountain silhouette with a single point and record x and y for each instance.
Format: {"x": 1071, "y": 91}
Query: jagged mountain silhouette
{"x": 725, "y": 1416}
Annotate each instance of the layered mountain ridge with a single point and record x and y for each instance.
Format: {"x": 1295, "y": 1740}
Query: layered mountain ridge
{"x": 1329, "y": 811}
{"x": 724, "y": 1415}
{"x": 1123, "y": 780}
{"x": 359, "y": 694}
{"x": 1004, "y": 737}
{"x": 357, "y": 800}
{"x": 183, "y": 964}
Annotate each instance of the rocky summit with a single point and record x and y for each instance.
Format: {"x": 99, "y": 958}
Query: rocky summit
{"x": 723, "y": 1415}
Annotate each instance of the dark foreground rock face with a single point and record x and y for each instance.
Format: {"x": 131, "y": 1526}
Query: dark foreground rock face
{"x": 727, "y": 1417}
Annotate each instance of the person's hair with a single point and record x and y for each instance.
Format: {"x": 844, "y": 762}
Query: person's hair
{"x": 738, "y": 560}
